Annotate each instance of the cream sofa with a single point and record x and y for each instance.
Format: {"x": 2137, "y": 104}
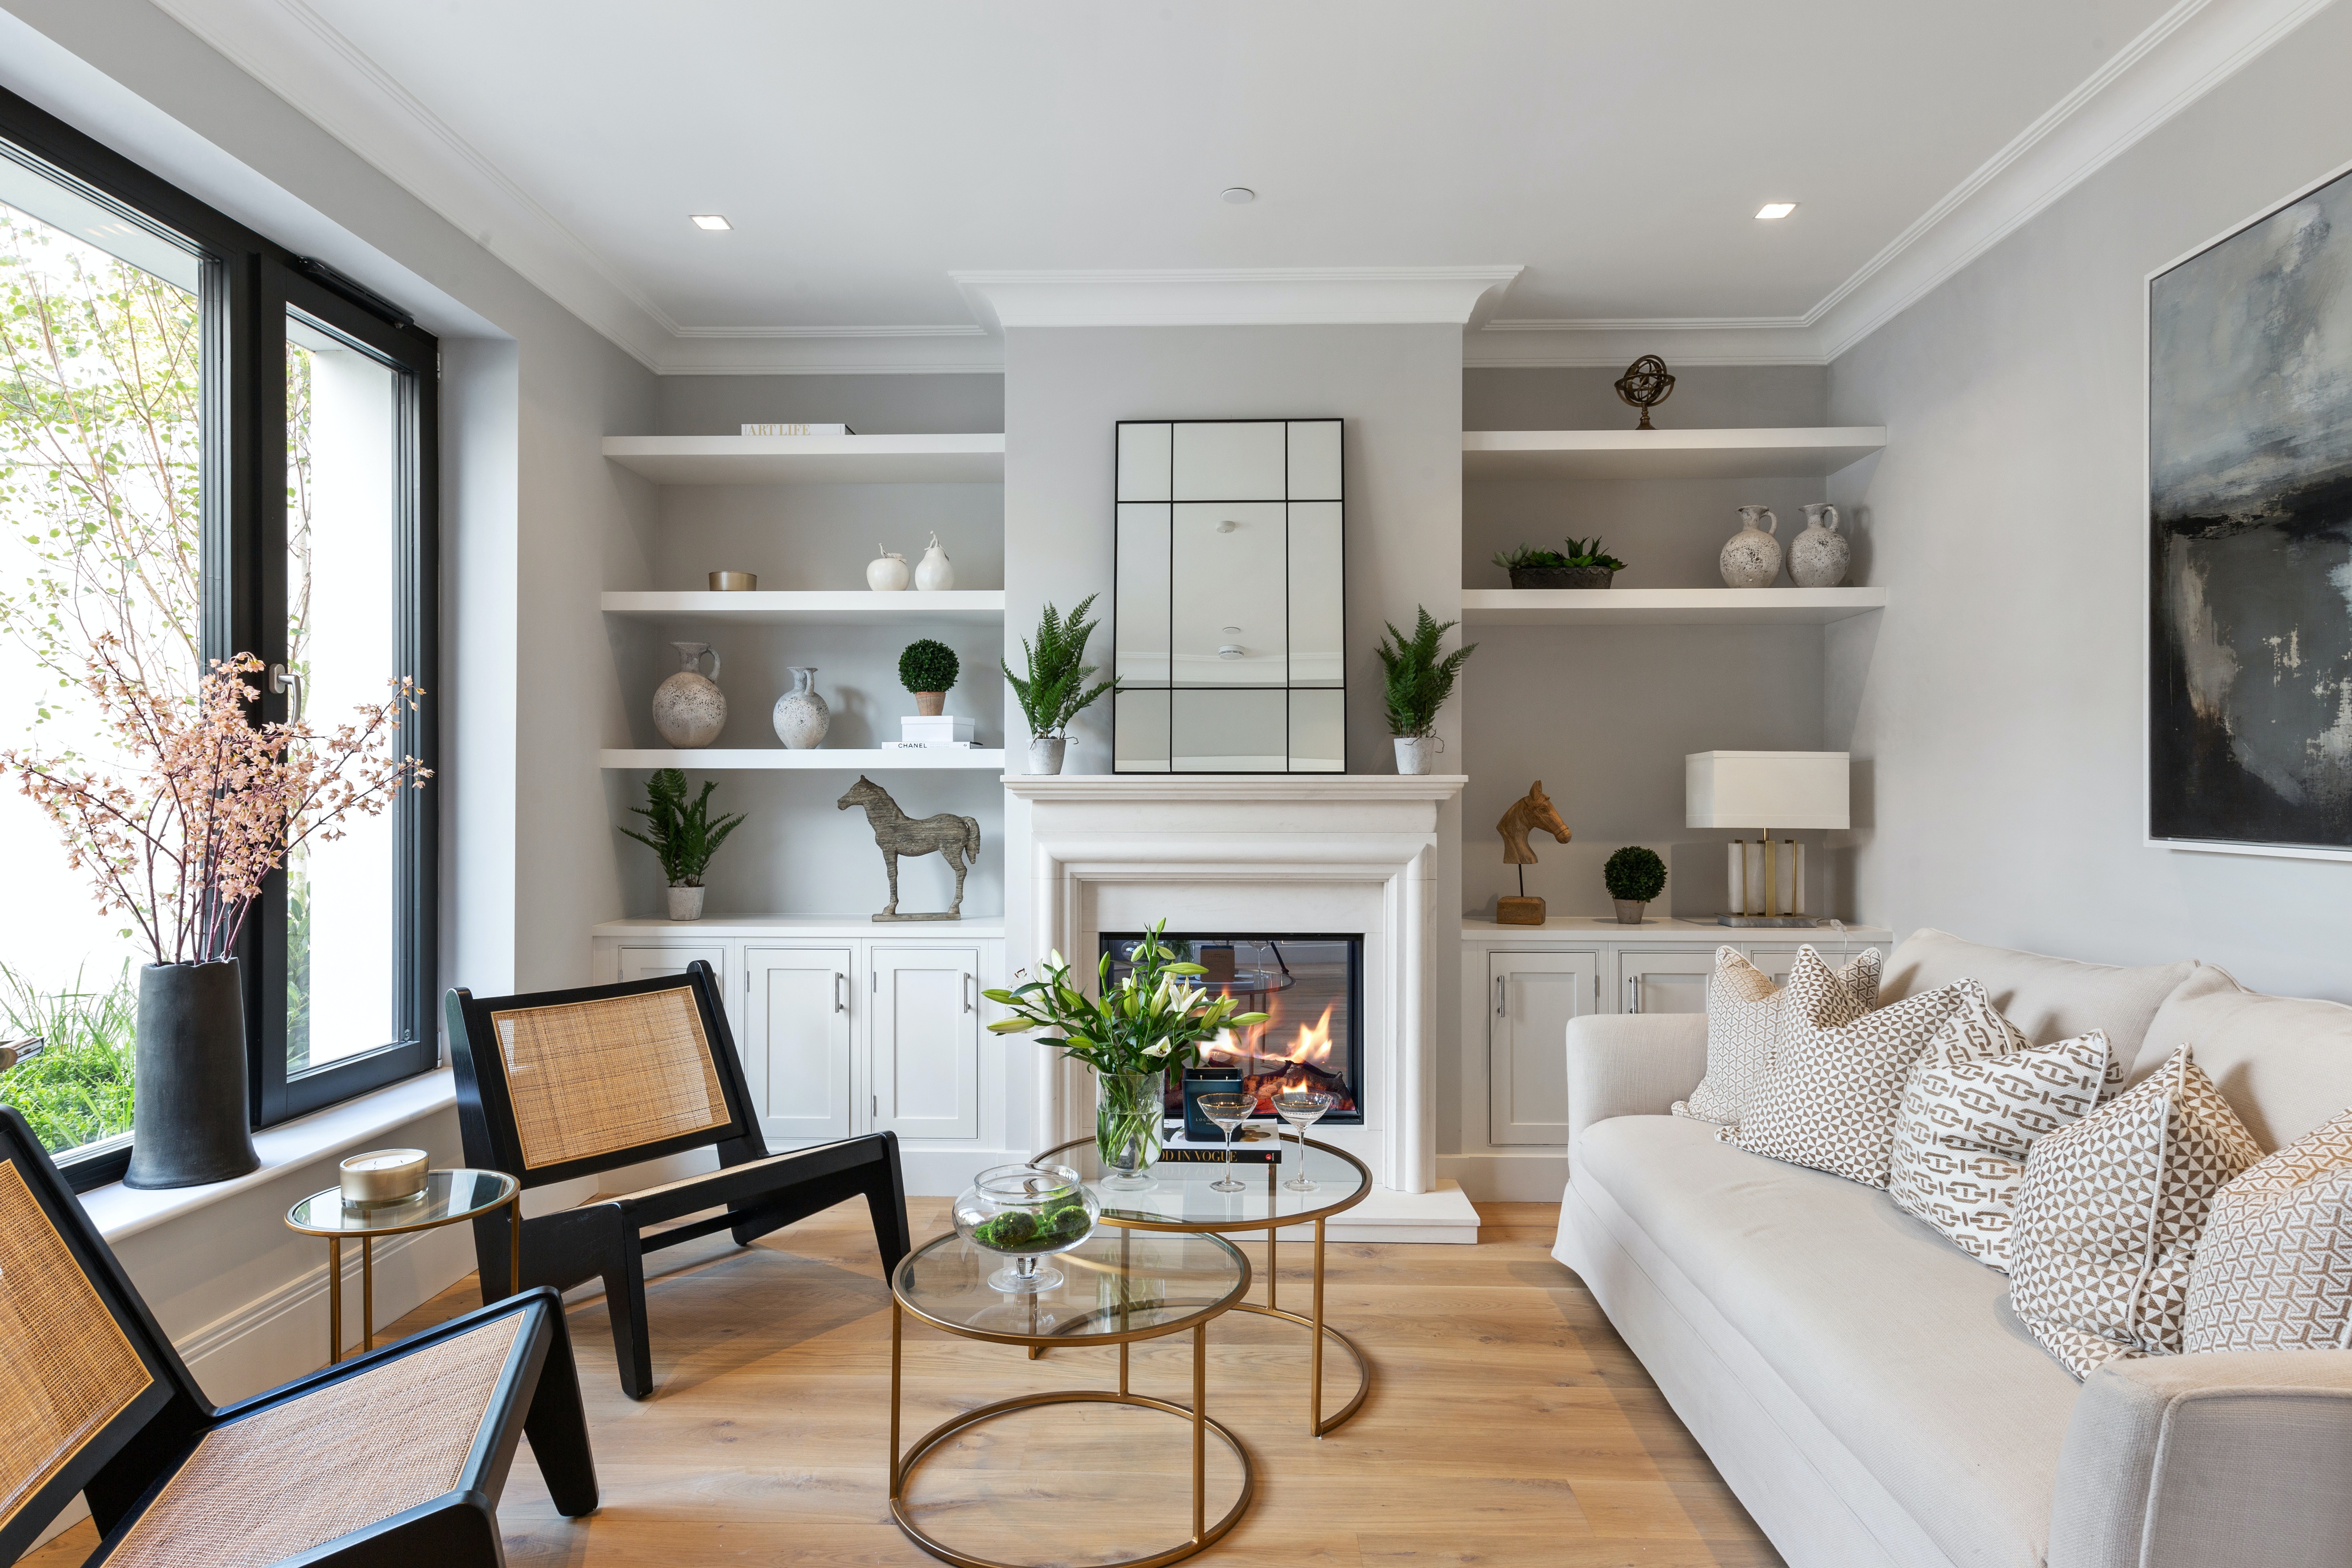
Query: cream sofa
{"x": 1860, "y": 1382}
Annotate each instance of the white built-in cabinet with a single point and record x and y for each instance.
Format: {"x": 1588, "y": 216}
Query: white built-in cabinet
{"x": 1533, "y": 997}
{"x": 926, "y": 1040}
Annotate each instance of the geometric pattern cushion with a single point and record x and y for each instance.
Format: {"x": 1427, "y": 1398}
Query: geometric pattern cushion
{"x": 2273, "y": 1269}
{"x": 1968, "y": 1119}
{"x": 1838, "y": 1073}
{"x": 1743, "y": 1016}
{"x": 2109, "y": 1213}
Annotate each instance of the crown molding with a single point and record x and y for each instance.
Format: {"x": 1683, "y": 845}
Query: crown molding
{"x": 871, "y": 351}
{"x": 1613, "y": 344}
{"x": 1228, "y": 296}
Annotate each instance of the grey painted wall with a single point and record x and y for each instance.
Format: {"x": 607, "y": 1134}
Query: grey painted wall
{"x": 870, "y": 405}
{"x": 1999, "y": 699}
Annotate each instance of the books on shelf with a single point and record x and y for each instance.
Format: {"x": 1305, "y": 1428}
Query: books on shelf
{"x": 1179, "y": 1150}
{"x": 798, "y": 430}
{"x": 930, "y": 746}
{"x": 946, "y": 729}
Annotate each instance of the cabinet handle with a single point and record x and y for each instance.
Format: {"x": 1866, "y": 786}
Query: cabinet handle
{"x": 1502, "y": 995}
{"x": 840, "y": 992}
{"x": 1632, "y": 994}
{"x": 971, "y": 994}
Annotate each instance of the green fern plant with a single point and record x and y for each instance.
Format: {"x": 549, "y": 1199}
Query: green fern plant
{"x": 1055, "y": 691}
{"x": 1418, "y": 682}
{"x": 681, "y": 831}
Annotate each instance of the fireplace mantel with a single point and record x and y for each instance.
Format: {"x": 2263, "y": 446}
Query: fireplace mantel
{"x": 1141, "y": 789}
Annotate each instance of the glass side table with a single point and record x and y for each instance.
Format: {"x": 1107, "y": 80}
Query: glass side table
{"x": 1180, "y": 1199}
{"x": 1117, "y": 1286}
{"x": 449, "y": 1197}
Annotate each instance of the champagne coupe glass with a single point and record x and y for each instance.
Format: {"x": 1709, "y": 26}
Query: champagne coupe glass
{"x": 1228, "y": 1111}
{"x": 1301, "y": 1108}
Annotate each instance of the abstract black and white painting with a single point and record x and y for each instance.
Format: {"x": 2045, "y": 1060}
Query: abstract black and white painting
{"x": 2250, "y": 523}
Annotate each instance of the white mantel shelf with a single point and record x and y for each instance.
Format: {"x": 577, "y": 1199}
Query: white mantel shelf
{"x": 1141, "y": 789}
{"x": 844, "y": 760}
{"x": 1666, "y": 454}
{"x": 1663, "y": 931}
{"x": 811, "y": 460}
{"x": 776, "y": 928}
{"x": 1666, "y": 606}
{"x": 823, "y": 607}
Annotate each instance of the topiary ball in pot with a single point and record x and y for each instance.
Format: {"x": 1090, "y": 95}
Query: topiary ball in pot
{"x": 928, "y": 668}
{"x": 1633, "y": 875}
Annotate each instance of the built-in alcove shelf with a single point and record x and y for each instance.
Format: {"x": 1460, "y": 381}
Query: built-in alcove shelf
{"x": 1665, "y": 606}
{"x": 844, "y": 608}
{"x": 1666, "y": 454}
{"x": 844, "y": 759}
{"x": 811, "y": 460}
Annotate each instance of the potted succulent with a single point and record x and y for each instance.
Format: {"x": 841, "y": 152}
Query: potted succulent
{"x": 928, "y": 670}
{"x": 1151, "y": 1021}
{"x": 1583, "y": 565}
{"x": 680, "y": 831}
{"x": 1055, "y": 691}
{"x": 1417, "y": 683}
{"x": 1633, "y": 875}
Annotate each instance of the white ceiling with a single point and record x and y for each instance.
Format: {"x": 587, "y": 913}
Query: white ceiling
{"x": 1618, "y": 151}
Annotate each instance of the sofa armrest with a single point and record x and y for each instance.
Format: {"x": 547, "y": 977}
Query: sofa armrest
{"x": 2235, "y": 1456}
{"x": 1634, "y": 1064}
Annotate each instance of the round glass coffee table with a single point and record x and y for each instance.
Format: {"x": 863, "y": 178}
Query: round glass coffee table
{"x": 449, "y": 1196}
{"x": 1180, "y": 1198}
{"x": 1117, "y": 1286}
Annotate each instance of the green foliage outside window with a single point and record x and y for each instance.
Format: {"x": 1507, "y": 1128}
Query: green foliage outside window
{"x": 76, "y": 1088}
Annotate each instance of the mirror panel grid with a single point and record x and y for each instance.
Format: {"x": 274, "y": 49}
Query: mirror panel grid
{"x": 1229, "y": 631}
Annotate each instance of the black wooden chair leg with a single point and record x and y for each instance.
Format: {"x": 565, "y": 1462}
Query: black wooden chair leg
{"x": 625, "y": 1301}
{"x": 885, "y": 1200}
{"x": 557, "y": 1427}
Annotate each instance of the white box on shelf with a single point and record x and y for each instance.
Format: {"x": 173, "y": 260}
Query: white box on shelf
{"x": 955, "y": 729}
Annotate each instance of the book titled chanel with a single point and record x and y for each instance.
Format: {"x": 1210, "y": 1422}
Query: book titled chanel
{"x": 798, "y": 430}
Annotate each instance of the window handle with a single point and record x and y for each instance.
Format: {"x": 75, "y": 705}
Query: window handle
{"x": 840, "y": 992}
{"x": 286, "y": 683}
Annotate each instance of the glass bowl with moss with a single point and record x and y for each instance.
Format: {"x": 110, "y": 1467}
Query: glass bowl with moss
{"x": 1025, "y": 1212}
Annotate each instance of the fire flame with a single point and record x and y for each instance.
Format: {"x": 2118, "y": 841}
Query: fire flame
{"x": 1271, "y": 1070}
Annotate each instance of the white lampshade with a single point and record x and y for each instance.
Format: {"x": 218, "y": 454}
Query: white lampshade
{"x": 1767, "y": 789}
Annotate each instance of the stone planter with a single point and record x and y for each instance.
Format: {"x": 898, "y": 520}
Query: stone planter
{"x": 1045, "y": 752}
{"x": 1629, "y": 911}
{"x": 190, "y": 1123}
{"x": 686, "y": 903}
{"x": 930, "y": 704}
{"x": 1416, "y": 753}
{"x": 1561, "y": 577}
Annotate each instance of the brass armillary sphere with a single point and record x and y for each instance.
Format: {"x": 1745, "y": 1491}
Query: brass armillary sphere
{"x": 1645, "y": 383}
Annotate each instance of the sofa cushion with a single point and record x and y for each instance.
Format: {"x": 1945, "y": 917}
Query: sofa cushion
{"x": 1743, "y": 1023}
{"x": 1900, "y": 1343}
{"x": 2284, "y": 1063}
{"x": 2273, "y": 1269}
{"x": 2049, "y": 998}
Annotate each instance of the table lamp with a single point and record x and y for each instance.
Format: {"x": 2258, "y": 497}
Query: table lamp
{"x": 1764, "y": 790}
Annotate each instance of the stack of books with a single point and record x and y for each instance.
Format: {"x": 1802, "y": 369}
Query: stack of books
{"x": 798, "y": 430}
{"x": 918, "y": 731}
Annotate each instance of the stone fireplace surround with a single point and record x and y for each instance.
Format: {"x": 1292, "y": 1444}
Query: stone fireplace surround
{"x": 1329, "y": 853}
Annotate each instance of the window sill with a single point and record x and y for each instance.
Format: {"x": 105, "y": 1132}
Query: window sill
{"x": 120, "y": 1211}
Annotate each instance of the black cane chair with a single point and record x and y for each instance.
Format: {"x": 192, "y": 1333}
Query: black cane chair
{"x": 395, "y": 1456}
{"x": 571, "y": 1083}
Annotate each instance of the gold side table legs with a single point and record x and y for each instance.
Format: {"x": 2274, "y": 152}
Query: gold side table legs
{"x": 367, "y": 1282}
{"x": 1316, "y": 1422}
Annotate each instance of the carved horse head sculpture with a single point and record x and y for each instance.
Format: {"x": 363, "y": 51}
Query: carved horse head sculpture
{"x": 1532, "y": 811}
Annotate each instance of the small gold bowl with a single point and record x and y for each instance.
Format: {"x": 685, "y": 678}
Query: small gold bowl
{"x": 383, "y": 1176}
{"x": 734, "y": 581}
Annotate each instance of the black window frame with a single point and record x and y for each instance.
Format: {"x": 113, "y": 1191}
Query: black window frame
{"x": 250, "y": 285}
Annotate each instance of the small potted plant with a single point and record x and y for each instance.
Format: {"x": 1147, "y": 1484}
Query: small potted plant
{"x": 1583, "y": 565}
{"x": 680, "y": 831}
{"x": 1055, "y": 691}
{"x": 1633, "y": 875}
{"x": 928, "y": 670}
{"x": 1418, "y": 682}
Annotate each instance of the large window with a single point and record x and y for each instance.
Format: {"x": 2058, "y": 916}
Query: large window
{"x": 147, "y": 343}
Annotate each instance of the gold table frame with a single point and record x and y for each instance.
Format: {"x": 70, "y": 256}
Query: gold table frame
{"x": 510, "y": 1199}
{"x": 1273, "y": 1225}
{"x": 1204, "y": 1534}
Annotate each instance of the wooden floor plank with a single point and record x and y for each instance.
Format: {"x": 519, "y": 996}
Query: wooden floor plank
{"x": 1508, "y": 1424}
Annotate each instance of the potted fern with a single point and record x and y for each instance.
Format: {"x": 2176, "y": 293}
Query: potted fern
{"x": 680, "y": 831}
{"x": 1056, "y": 691}
{"x": 1417, "y": 683}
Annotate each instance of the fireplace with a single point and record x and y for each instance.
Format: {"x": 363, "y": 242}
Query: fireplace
{"x": 1312, "y": 986}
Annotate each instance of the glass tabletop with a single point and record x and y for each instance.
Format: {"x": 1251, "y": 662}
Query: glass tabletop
{"x": 1114, "y": 1285}
{"x": 1181, "y": 1194}
{"x": 449, "y": 1197}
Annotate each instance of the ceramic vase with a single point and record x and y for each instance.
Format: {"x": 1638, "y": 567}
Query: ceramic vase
{"x": 801, "y": 717}
{"x": 1045, "y": 753}
{"x": 1414, "y": 754}
{"x": 933, "y": 574}
{"x": 1752, "y": 557}
{"x": 686, "y": 903}
{"x": 886, "y": 573}
{"x": 190, "y": 1122}
{"x": 1818, "y": 558}
{"x": 688, "y": 708}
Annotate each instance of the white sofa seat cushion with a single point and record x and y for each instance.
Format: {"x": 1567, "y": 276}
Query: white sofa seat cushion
{"x": 1902, "y": 1345}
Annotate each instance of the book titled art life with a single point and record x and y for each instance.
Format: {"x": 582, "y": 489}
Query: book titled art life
{"x": 798, "y": 430}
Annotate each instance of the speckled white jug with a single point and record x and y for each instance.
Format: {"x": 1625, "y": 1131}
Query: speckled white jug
{"x": 1818, "y": 558}
{"x": 688, "y": 708}
{"x": 801, "y": 716}
{"x": 1752, "y": 558}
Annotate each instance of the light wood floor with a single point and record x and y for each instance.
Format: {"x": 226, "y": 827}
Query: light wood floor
{"x": 1508, "y": 1424}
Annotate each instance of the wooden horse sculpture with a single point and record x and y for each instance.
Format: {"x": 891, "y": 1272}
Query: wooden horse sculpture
{"x": 1532, "y": 812}
{"x": 896, "y": 833}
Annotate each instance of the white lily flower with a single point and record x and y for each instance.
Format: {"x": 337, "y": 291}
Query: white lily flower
{"x": 1158, "y": 1050}
{"x": 1053, "y": 957}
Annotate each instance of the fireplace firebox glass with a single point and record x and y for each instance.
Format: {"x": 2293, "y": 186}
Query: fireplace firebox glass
{"x": 1312, "y": 986}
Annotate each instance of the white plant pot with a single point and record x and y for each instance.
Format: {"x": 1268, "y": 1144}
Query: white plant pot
{"x": 1417, "y": 753}
{"x": 1045, "y": 753}
{"x": 686, "y": 903}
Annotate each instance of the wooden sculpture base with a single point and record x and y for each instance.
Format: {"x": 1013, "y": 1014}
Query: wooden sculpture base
{"x": 1511, "y": 911}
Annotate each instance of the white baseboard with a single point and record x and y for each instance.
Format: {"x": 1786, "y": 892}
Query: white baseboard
{"x": 1495, "y": 1177}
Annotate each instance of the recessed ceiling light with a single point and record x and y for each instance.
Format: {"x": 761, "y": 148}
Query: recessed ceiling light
{"x": 710, "y": 220}
{"x": 1769, "y": 211}
{"x": 1239, "y": 196}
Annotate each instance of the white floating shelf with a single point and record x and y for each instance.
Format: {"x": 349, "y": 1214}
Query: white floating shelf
{"x": 1665, "y": 606}
{"x": 844, "y": 760}
{"x": 811, "y": 460}
{"x": 1666, "y": 454}
{"x": 961, "y": 607}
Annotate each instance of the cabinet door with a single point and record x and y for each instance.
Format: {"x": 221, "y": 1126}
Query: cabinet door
{"x": 796, "y": 1039}
{"x": 1671, "y": 980}
{"x": 926, "y": 1053}
{"x": 1776, "y": 958}
{"x": 1530, "y": 998}
{"x": 652, "y": 963}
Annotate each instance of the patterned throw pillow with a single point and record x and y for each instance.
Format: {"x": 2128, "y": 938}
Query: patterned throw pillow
{"x": 2273, "y": 1269}
{"x": 1838, "y": 1073}
{"x": 2109, "y": 1213}
{"x": 1743, "y": 1014}
{"x": 1976, "y": 1101}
